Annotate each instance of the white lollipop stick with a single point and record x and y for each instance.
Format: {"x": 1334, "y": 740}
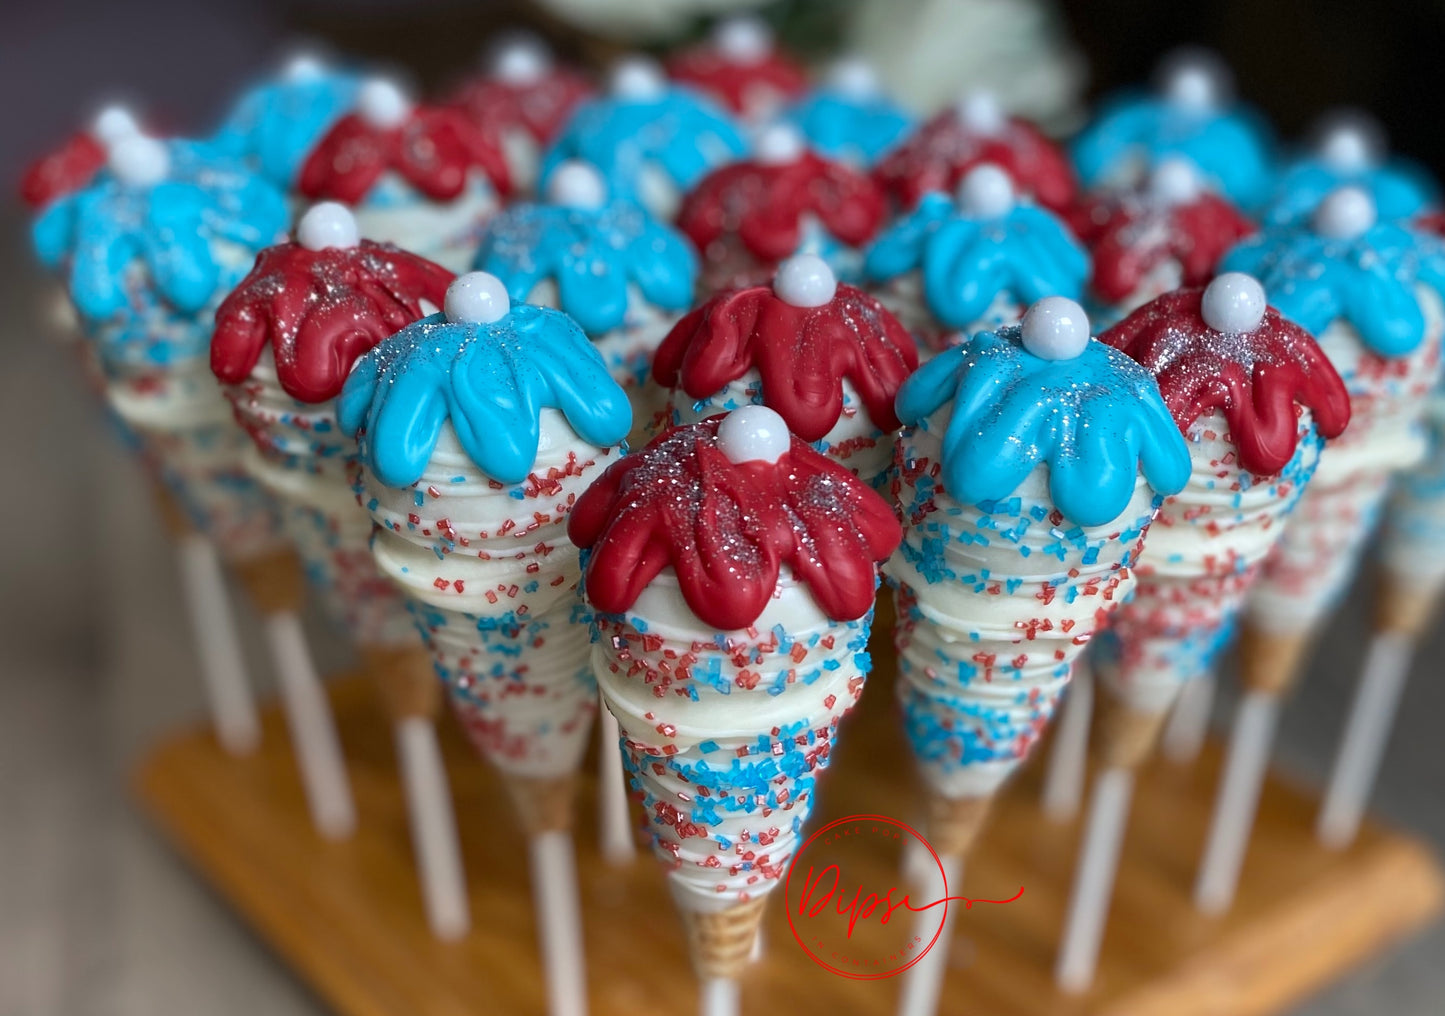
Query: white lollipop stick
{"x": 433, "y": 828}
{"x": 614, "y": 825}
{"x": 313, "y": 732}
{"x": 1371, "y": 716}
{"x": 1068, "y": 759}
{"x": 718, "y": 996}
{"x": 233, "y": 708}
{"x": 1094, "y": 881}
{"x": 559, "y": 922}
{"x": 1188, "y": 724}
{"x": 923, "y": 982}
{"x": 1237, "y": 802}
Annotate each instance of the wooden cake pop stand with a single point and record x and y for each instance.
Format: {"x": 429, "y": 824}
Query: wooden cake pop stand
{"x": 347, "y": 917}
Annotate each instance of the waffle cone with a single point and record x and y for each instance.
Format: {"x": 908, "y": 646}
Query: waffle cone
{"x": 955, "y": 822}
{"x": 1270, "y": 661}
{"x": 1403, "y": 607}
{"x": 405, "y": 679}
{"x": 721, "y": 943}
{"x": 273, "y": 581}
{"x": 543, "y": 805}
{"x": 1124, "y": 736}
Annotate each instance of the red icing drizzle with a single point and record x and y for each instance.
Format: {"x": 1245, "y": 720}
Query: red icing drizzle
{"x": 434, "y": 151}
{"x": 802, "y": 354}
{"x": 1254, "y": 378}
{"x": 736, "y": 85}
{"x": 541, "y": 108}
{"x": 64, "y": 171}
{"x": 1130, "y": 237}
{"x": 1432, "y": 222}
{"x": 727, "y": 528}
{"x": 763, "y": 205}
{"x": 941, "y": 151}
{"x": 320, "y": 311}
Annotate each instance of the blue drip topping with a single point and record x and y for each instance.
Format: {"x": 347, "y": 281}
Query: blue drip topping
{"x": 276, "y": 124}
{"x": 1094, "y": 419}
{"x": 1399, "y": 188}
{"x": 1368, "y": 281}
{"x": 966, "y": 262}
{"x": 841, "y": 126}
{"x": 491, "y": 381}
{"x": 593, "y": 255}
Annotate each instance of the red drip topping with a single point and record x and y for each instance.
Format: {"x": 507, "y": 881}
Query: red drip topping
{"x": 737, "y": 85}
{"x": 802, "y": 354}
{"x": 763, "y": 205}
{"x": 1254, "y": 378}
{"x": 727, "y": 528}
{"x": 1432, "y": 222}
{"x": 1131, "y": 237}
{"x": 63, "y": 171}
{"x": 434, "y": 151}
{"x": 940, "y": 152}
{"x": 321, "y": 311}
{"x": 541, "y": 108}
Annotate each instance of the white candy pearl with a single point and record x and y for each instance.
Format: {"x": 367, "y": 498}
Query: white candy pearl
{"x": 303, "y": 67}
{"x": 522, "y": 61}
{"x": 1234, "y": 302}
{"x": 986, "y": 192}
{"x": 328, "y": 224}
{"x": 139, "y": 161}
{"x": 1344, "y": 214}
{"x": 805, "y": 280}
{"x": 1193, "y": 84}
{"x": 383, "y": 104}
{"x": 576, "y": 184}
{"x": 854, "y": 77}
{"x": 1347, "y": 149}
{"x": 637, "y": 77}
{"x": 753, "y": 434}
{"x": 1055, "y": 328}
{"x": 1175, "y": 181}
{"x": 113, "y": 125}
{"x": 477, "y": 298}
{"x": 743, "y": 40}
{"x": 981, "y": 113}
{"x": 779, "y": 145}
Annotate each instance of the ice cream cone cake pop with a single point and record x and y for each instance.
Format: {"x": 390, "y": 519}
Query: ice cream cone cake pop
{"x": 828, "y": 358}
{"x": 425, "y": 178}
{"x": 849, "y": 117}
{"x": 1255, "y": 397}
{"x": 1033, "y": 462}
{"x": 976, "y": 131}
{"x": 1370, "y": 292}
{"x": 749, "y": 215}
{"x": 285, "y": 340}
{"x": 277, "y": 123}
{"x": 524, "y": 99}
{"x": 651, "y": 141}
{"x": 741, "y": 67}
{"x": 732, "y": 572}
{"x": 616, "y": 271}
{"x": 1349, "y": 149}
{"x": 1192, "y": 114}
{"x": 478, "y": 430}
{"x": 1168, "y": 234}
{"x": 956, "y": 265}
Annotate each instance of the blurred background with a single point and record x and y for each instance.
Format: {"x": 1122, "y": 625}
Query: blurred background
{"x": 96, "y": 914}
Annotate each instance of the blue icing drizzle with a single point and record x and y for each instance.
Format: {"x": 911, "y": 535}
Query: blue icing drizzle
{"x": 967, "y": 262}
{"x": 277, "y": 123}
{"x": 175, "y": 229}
{"x": 593, "y": 255}
{"x": 1231, "y": 147}
{"x": 678, "y": 131}
{"x": 491, "y": 381}
{"x": 841, "y": 126}
{"x": 1368, "y": 281}
{"x": 1094, "y": 420}
{"x": 1400, "y": 189}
